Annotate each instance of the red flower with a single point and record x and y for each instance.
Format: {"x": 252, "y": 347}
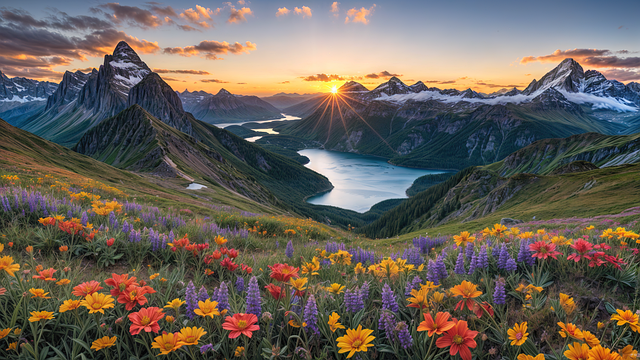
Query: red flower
{"x": 134, "y": 295}
{"x": 479, "y": 309}
{"x": 544, "y": 250}
{"x": 232, "y": 253}
{"x": 615, "y": 261}
{"x": 241, "y": 324}
{"x": 460, "y": 339}
{"x": 110, "y": 242}
{"x": 216, "y": 255}
{"x": 283, "y": 272}
{"x": 246, "y": 268}
{"x": 46, "y": 275}
{"x": 595, "y": 259}
{"x": 276, "y": 291}
{"x": 120, "y": 283}
{"x": 229, "y": 264}
{"x": 146, "y": 319}
{"x": 582, "y": 247}
{"x": 86, "y": 288}
{"x": 602, "y": 246}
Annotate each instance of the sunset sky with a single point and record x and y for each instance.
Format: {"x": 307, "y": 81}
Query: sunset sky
{"x": 266, "y": 47}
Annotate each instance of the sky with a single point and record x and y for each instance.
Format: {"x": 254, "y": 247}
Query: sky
{"x": 267, "y": 47}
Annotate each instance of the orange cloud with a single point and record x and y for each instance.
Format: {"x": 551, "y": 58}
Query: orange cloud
{"x": 354, "y": 15}
{"x": 305, "y": 11}
{"x": 199, "y": 16}
{"x": 238, "y": 16}
{"x": 594, "y": 58}
{"x": 210, "y": 49}
{"x": 334, "y": 8}
{"x": 282, "y": 11}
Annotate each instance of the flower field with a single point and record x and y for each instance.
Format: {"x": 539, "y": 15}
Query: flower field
{"x": 89, "y": 272}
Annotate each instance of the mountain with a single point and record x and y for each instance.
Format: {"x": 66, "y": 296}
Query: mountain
{"x": 225, "y": 107}
{"x": 68, "y": 89}
{"x": 104, "y": 94}
{"x": 21, "y": 97}
{"x": 283, "y": 100}
{"x": 352, "y": 87}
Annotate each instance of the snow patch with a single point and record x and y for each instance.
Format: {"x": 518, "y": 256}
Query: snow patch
{"x": 195, "y": 186}
{"x": 23, "y": 99}
{"x": 123, "y": 65}
{"x": 599, "y": 102}
{"x": 129, "y": 82}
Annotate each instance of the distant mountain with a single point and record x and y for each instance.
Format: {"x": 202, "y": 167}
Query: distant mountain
{"x": 283, "y": 100}
{"x": 225, "y": 107}
{"x": 103, "y": 94}
{"x": 21, "y": 97}
{"x": 68, "y": 89}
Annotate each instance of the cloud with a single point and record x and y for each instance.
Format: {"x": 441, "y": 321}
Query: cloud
{"x": 170, "y": 21}
{"x": 238, "y": 16}
{"x": 322, "y": 77}
{"x": 172, "y": 79}
{"x": 85, "y": 70}
{"x": 439, "y": 82}
{"x": 305, "y": 11}
{"x": 335, "y": 9}
{"x": 164, "y": 11}
{"x": 214, "y": 81}
{"x": 211, "y": 49}
{"x": 560, "y": 55}
{"x": 489, "y": 85}
{"x": 282, "y": 11}
{"x": 132, "y": 15}
{"x": 382, "y": 74}
{"x": 59, "y": 20}
{"x": 285, "y": 82}
{"x": 241, "y": 83}
{"x": 34, "y": 73}
{"x": 191, "y": 72}
{"x": 622, "y": 75}
{"x": 354, "y": 15}
{"x": 198, "y": 17}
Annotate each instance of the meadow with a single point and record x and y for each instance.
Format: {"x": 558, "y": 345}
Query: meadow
{"x": 89, "y": 271}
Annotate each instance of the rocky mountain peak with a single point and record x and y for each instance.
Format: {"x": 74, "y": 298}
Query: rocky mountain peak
{"x": 68, "y": 89}
{"x": 223, "y": 92}
{"x": 567, "y": 76}
{"x": 418, "y": 87}
{"x": 352, "y": 86}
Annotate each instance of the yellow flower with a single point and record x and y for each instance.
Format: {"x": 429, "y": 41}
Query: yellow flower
{"x": 312, "y": 267}
{"x": 40, "y": 315}
{"x": 359, "y": 269}
{"x": 600, "y": 353}
{"x": 567, "y": 303}
{"x": 166, "y": 343}
{"x": 418, "y": 298}
{"x": 600, "y": 325}
{"x": 6, "y": 264}
{"x": 536, "y": 288}
{"x": 294, "y": 323}
{"x": 97, "y": 302}
{"x": 170, "y": 319}
{"x": 626, "y": 317}
{"x": 437, "y": 297}
{"x": 68, "y": 305}
{"x": 39, "y": 293}
{"x": 207, "y": 308}
{"x": 529, "y": 357}
{"x": 577, "y": 351}
{"x": 333, "y": 322}
{"x": 341, "y": 257}
{"x": 4, "y": 333}
{"x": 13, "y": 346}
{"x": 190, "y": 335}
{"x": 175, "y": 304}
{"x": 63, "y": 282}
{"x": 103, "y": 342}
{"x": 518, "y": 334}
{"x": 299, "y": 283}
{"x": 220, "y": 240}
{"x": 628, "y": 353}
{"x": 154, "y": 276}
{"x": 570, "y": 330}
{"x": 239, "y": 351}
{"x": 590, "y": 339}
{"x": 355, "y": 341}
{"x": 335, "y": 288}
{"x": 464, "y": 238}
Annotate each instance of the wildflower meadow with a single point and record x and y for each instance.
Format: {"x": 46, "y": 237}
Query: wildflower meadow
{"x": 90, "y": 272}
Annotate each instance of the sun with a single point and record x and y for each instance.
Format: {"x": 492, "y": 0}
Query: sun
{"x": 334, "y": 89}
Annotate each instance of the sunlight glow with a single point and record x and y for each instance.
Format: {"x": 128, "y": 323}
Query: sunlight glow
{"x": 334, "y": 89}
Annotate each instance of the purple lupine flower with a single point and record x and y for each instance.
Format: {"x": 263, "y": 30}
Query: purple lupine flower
{"x": 353, "y": 301}
{"x": 495, "y": 252}
{"x": 469, "y": 251}
{"x": 364, "y": 292}
{"x": 70, "y": 214}
{"x": 296, "y": 306}
{"x": 483, "y": 258}
{"x": 277, "y": 244}
{"x": 389, "y": 301}
{"x": 523, "y": 253}
{"x": 473, "y": 264}
{"x": 499, "y": 295}
{"x": 442, "y": 268}
{"x": 459, "y": 269}
{"x": 531, "y": 261}
{"x": 387, "y": 324}
{"x": 191, "y": 299}
{"x": 84, "y": 219}
{"x": 406, "y": 341}
{"x": 125, "y": 227}
{"x": 171, "y": 236}
{"x": 511, "y": 265}
{"x": 222, "y": 297}
{"x": 205, "y": 348}
{"x": 432, "y": 273}
{"x": 112, "y": 220}
{"x": 502, "y": 257}
{"x": 413, "y": 284}
{"x": 253, "y": 298}
{"x": 289, "y": 250}
{"x": 240, "y": 284}
{"x": 310, "y": 315}
{"x": 202, "y": 294}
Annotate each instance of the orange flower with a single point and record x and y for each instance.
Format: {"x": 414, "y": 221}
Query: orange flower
{"x": 440, "y": 325}
{"x": 68, "y": 305}
{"x": 40, "y": 315}
{"x": 600, "y": 353}
{"x": 120, "y": 283}
{"x": 87, "y": 288}
{"x": 276, "y": 291}
{"x": 460, "y": 339}
{"x": 468, "y": 291}
{"x": 134, "y": 295}
{"x": 577, "y": 351}
{"x": 220, "y": 240}
{"x": 626, "y": 317}
{"x": 6, "y": 264}
{"x": 207, "y": 308}
{"x": 464, "y": 238}
{"x": 39, "y": 293}
{"x": 46, "y": 275}
{"x": 97, "y": 302}
{"x": 146, "y": 319}
{"x": 570, "y": 330}
{"x": 190, "y": 335}
{"x": 166, "y": 343}
{"x": 63, "y": 282}
{"x": 63, "y": 248}
{"x": 241, "y": 324}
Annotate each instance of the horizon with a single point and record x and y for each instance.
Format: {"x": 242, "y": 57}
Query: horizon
{"x": 306, "y": 48}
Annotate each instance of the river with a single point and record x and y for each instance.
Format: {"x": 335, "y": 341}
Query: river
{"x": 360, "y": 181}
